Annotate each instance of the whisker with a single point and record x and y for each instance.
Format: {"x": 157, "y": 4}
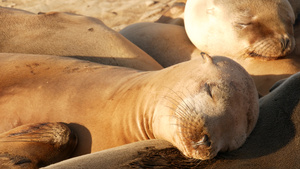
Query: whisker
{"x": 175, "y": 103}
{"x": 200, "y": 161}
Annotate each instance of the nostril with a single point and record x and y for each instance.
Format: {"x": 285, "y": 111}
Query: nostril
{"x": 208, "y": 144}
{"x": 285, "y": 43}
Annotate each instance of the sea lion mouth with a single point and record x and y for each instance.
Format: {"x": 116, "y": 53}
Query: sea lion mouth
{"x": 271, "y": 48}
{"x": 201, "y": 149}
{"x": 201, "y": 153}
{"x": 263, "y": 57}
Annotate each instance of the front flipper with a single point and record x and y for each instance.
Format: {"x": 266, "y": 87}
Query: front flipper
{"x": 36, "y": 145}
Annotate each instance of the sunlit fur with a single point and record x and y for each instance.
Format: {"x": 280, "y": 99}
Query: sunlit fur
{"x": 208, "y": 114}
{"x": 244, "y": 28}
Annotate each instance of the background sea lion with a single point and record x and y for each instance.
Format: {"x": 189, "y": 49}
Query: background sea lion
{"x": 71, "y": 35}
{"x": 36, "y": 145}
{"x": 200, "y": 113}
{"x": 259, "y": 29}
{"x": 274, "y": 142}
{"x": 168, "y": 44}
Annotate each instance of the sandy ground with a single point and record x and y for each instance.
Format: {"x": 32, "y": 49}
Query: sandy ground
{"x": 114, "y": 13}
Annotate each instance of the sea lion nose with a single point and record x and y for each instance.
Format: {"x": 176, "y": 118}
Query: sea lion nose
{"x": 285, "y": 43}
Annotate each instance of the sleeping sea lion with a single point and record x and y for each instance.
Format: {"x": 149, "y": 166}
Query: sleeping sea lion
{"x": 168, "y": 44}
{"x": 212, "y": 108}
{"x": 274, "y": 142}
{"x": 64, "y": 34}
{"x": 256, "y": 29}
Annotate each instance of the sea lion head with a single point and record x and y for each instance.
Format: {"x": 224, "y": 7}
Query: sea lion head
{"x": 260, "y": 29}
{"x": 217, "y": 113}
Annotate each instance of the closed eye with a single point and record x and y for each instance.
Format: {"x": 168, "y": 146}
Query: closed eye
{"x": 208, "y": 89}
{"x": 243, "y": 25}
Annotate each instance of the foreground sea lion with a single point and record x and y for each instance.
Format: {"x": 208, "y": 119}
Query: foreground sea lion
{"x": 107, "y": 106}
{"x": 259, "y": 29}
{"x": 274, "y": 142}
{"x": 168, "y": 44}
{"x": 63, "y": 34}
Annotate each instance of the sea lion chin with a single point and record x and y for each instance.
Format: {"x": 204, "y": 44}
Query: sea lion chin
{"x": 260, "y": 29}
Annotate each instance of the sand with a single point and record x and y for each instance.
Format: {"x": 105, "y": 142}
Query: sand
{"x": 114, "y": 13}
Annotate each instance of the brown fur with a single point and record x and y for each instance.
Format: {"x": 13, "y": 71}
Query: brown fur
{"x": 70, "y": 35}
{"x": 108, "y": 106}
{"x": 274, "y": 143}
{"x": 167, "y": 44}
{"x": 171, "y": 48}
{"x": 117, "y": 157}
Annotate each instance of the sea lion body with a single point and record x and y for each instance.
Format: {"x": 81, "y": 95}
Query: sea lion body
{"x": 274, "y": 142}
{"x": 109, "y": 106}
{"x": 167, "y": 44}
{"x": 261, "y": 29}
{"x": 117, "y": 157}
{"x": 64, "y": 34}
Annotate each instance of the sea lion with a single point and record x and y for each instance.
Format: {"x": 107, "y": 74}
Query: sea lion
{"x": 168, "y": 44}
{"x": 36, "y": 145}
{"x": 117, "y": 157}
{"x": 200, "y": 113}
{"x": 258, "y": 29}
{"x": 65, "y": 34}
{"x": 274, "y": 142}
